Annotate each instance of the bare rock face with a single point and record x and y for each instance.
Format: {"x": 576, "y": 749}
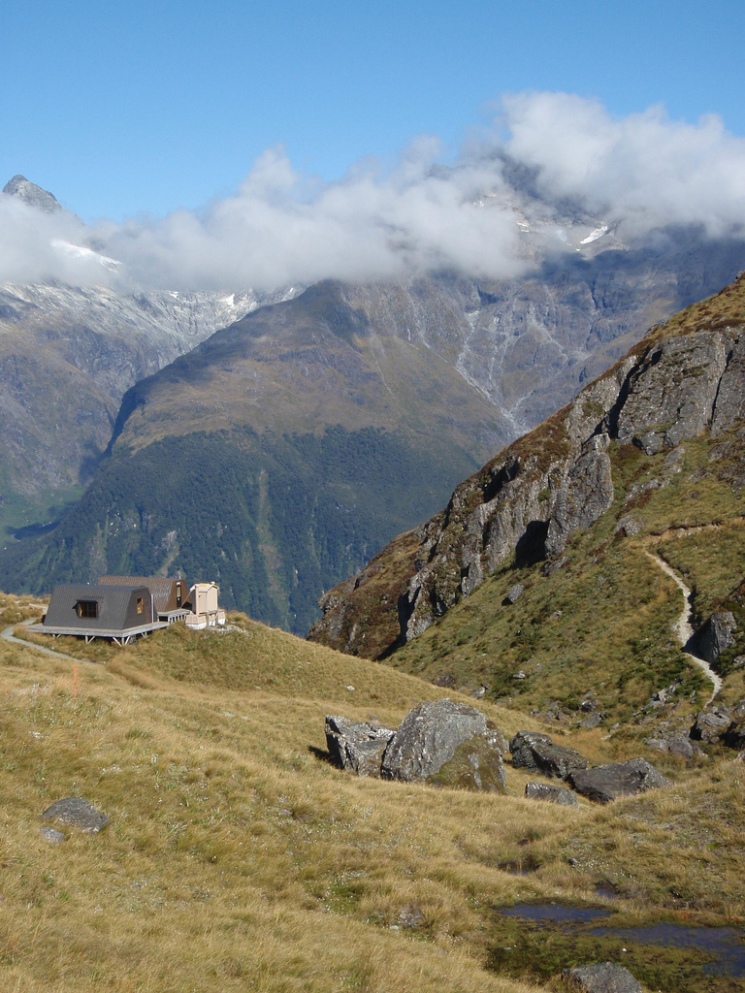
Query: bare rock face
{"x": 608, "y": 782}
{"x": 536, "y": 751}
{"x": 605, "y": 977}
{"x": 586, "y": 494}
{"x": 75, "y": 812}
{"x": 357, "y": 745}
{"x": 672, "y": 391}
{"x": 729, "y": 407}
{"x": 551, "y": 794}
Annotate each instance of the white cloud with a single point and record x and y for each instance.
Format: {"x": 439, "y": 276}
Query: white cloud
{"x": 283, "y": 227}
{"x": 647, "y": 170}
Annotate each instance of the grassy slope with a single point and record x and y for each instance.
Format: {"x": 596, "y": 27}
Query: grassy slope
{"x": 238, "y": 859}
{"x": 602, "y": 623}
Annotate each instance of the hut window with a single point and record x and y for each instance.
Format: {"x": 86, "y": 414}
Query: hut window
{"x": 86, "y": 608}
{"x": 140, "y": 605}
{"x": 178, "y": 595}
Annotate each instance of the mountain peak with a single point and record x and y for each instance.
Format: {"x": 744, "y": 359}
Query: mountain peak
{"x": 31, "y": 194}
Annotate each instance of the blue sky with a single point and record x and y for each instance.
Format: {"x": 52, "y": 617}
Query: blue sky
{"x": 126, "y": 109}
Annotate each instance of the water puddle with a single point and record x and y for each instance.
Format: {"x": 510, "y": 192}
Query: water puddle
{"x": 724, "y": 944}
{"x": 559, "y": 912}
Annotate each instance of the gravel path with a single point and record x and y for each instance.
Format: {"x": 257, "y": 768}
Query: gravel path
{"x": 683, "y": 627}
{"x": 7, "y": 634}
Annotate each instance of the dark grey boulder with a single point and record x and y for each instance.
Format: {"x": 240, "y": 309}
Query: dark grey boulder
{"x": 357, "y": 745}
{"x": 514, "y": 593}
{"x": 551, "y": 794}
{"x": 535, "y": 751}
{"x": 716, "y": 636}
{"x": 447, "y": 744}
{"x": 75, "y": 812}
{"x": 605, "y": 977}
{"x": 608, "y": 782}
{"x": 710, "y": 724}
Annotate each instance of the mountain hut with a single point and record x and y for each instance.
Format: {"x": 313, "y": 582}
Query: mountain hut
{"x": 118, "y": 613}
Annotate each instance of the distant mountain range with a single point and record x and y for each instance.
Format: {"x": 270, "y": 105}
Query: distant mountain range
{"x": 275, "y": 451}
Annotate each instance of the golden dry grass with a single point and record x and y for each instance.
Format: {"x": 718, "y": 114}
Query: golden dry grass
{"x": 238, "y": 859}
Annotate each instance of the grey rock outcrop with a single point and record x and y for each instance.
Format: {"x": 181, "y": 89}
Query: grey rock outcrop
{"x": 716, "y": 635}
{"x": 447, "y": 743}
{"x": 441, "y": 742}
{"x": 672, "y": 391}
{"x": 75, "y": 812}
{"x": 710, "y": 724}
{"x": 357, "y": 745}
{"x": 538, "y": 752}
{"x": 604, "y": 977}
{"x": 551, "y": 794}
{"x": 729, "y": 407}
{"x": 583, "y": 497}
{"x": 608, "y": 782}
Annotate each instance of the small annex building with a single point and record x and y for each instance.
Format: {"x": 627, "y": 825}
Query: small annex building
{"x": 119, "y": 613}
{"x": 205, "y": 613}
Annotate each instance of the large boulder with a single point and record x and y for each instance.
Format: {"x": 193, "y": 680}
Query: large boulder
{"x": 448, "y": 744}
{"x": 357, "y": 745}
{"x": 75, "y": 812}
{"x": 716, "y": 636}
{"x": 605, "y": 977}
{"x": 608, "y": 782}
{"x": 711, "y": 724}
{"x": 537, "y": 752}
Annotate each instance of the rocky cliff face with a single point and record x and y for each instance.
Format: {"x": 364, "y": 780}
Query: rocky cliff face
{"x": 680, "y": 381}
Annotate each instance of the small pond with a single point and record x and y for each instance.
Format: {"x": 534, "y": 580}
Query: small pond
{"x": 554, "y": 912}
{"x": 724, "y": 944}
{"x": 723, "y": 947}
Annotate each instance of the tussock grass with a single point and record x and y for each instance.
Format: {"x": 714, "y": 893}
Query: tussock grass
{"x": 237, "y": 858}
